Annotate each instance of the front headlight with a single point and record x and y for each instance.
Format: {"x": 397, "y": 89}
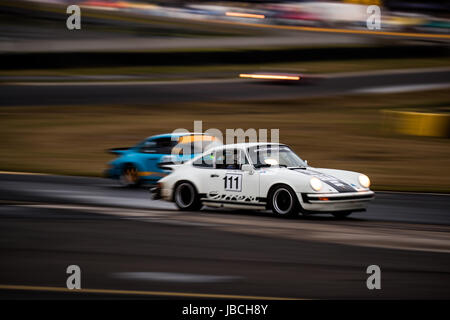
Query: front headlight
{"x": 364, "y": 180}
{"x": 315, "y": 183}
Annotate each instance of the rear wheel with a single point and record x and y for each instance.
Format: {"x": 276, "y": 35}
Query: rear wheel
{"x": 129, "y": 176}
{"x": 341, "y": 215}
{"x": 186, "y": 197}
{"x": 283, "y": 201}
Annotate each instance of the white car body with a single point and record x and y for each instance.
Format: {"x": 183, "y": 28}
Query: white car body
{"x": 250, "y": 187}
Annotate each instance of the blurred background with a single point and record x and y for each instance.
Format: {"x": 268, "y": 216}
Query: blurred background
{"x": 67, "y": 95}
{"x": 342, "y": 96}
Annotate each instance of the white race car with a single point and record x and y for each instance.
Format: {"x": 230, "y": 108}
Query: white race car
{"x": 263, "y": 176}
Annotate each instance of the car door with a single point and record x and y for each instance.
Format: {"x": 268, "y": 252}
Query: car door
{"x": 205, "y": 173}
{"x": 228, "y": 183}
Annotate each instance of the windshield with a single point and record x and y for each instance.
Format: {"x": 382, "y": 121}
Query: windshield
{"x": 274, "y": 155}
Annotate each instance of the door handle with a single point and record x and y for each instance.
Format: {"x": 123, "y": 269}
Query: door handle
{"x": 214, "y": 176}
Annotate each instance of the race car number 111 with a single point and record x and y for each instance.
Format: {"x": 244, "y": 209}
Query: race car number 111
{"x": 233, "y": 182}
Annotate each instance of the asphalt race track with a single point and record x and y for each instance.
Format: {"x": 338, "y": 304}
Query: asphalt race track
{"x": 130, "y": 246}
{"x": 70, "y": 93}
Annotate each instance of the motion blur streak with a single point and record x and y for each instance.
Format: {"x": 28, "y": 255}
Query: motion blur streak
{"x": 337, "y": 30}
{"x": 139, "y": 293}
{"x": 244, "y": 15}
{"x": 267, "y": 76}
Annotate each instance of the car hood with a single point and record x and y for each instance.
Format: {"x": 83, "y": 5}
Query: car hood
{"x": 334, "y": 180}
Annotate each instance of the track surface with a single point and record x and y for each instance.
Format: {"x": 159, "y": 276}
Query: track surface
{"x": 401, "y": 207}
{"x": 195, "y": 91}
{"x": 122, "y": 240}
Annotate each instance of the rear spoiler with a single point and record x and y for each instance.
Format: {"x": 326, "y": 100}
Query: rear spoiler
{"x": 117, "y": 151}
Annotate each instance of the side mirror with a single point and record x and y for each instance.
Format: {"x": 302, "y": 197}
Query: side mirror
{"x": 247, "y": 168}
{"x": 306, "y": 162}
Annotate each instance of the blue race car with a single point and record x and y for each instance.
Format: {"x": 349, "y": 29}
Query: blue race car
{"x": 143, "y": 163}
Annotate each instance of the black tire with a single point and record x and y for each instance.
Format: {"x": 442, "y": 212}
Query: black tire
{"x": 341, "y": 215}
{"x": 129, "y": 177}
{"x": 186, "y": 197}
{"x": 283, "y": 201}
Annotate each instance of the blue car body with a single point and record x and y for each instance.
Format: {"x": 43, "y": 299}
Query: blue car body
{"x": 145, "y": 157}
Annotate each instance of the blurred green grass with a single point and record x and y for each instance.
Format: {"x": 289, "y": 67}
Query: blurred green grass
{"x": 342, "y": 132}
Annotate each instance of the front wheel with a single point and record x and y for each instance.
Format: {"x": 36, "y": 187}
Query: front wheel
{"x": 186, "y": 197}
{"x": 284, "y": 202}
{"x": 341, "y": 215}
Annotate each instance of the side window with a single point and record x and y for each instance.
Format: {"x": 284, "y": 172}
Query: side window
{"x": 231, "y": 159}
{"x": 148, "y": 147}
{"x": 160, "y": 146}
{"x": 205, "y": 162}
{"x": 165, "y": 145}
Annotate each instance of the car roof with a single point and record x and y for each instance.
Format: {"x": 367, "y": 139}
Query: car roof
{"x": 237, "y": 146}
{"x": 170, "y": 135}
{"x": 247, "y": 145}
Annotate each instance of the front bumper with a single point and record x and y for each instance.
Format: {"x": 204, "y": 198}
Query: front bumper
{"x": 332, "y": 202}
{"x": 157, "y": 193}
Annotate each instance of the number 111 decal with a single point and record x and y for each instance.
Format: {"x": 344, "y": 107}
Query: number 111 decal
{"x": 233, "y": 182}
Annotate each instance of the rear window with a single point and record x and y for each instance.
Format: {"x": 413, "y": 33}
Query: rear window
{"x": 195, "y": 144}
